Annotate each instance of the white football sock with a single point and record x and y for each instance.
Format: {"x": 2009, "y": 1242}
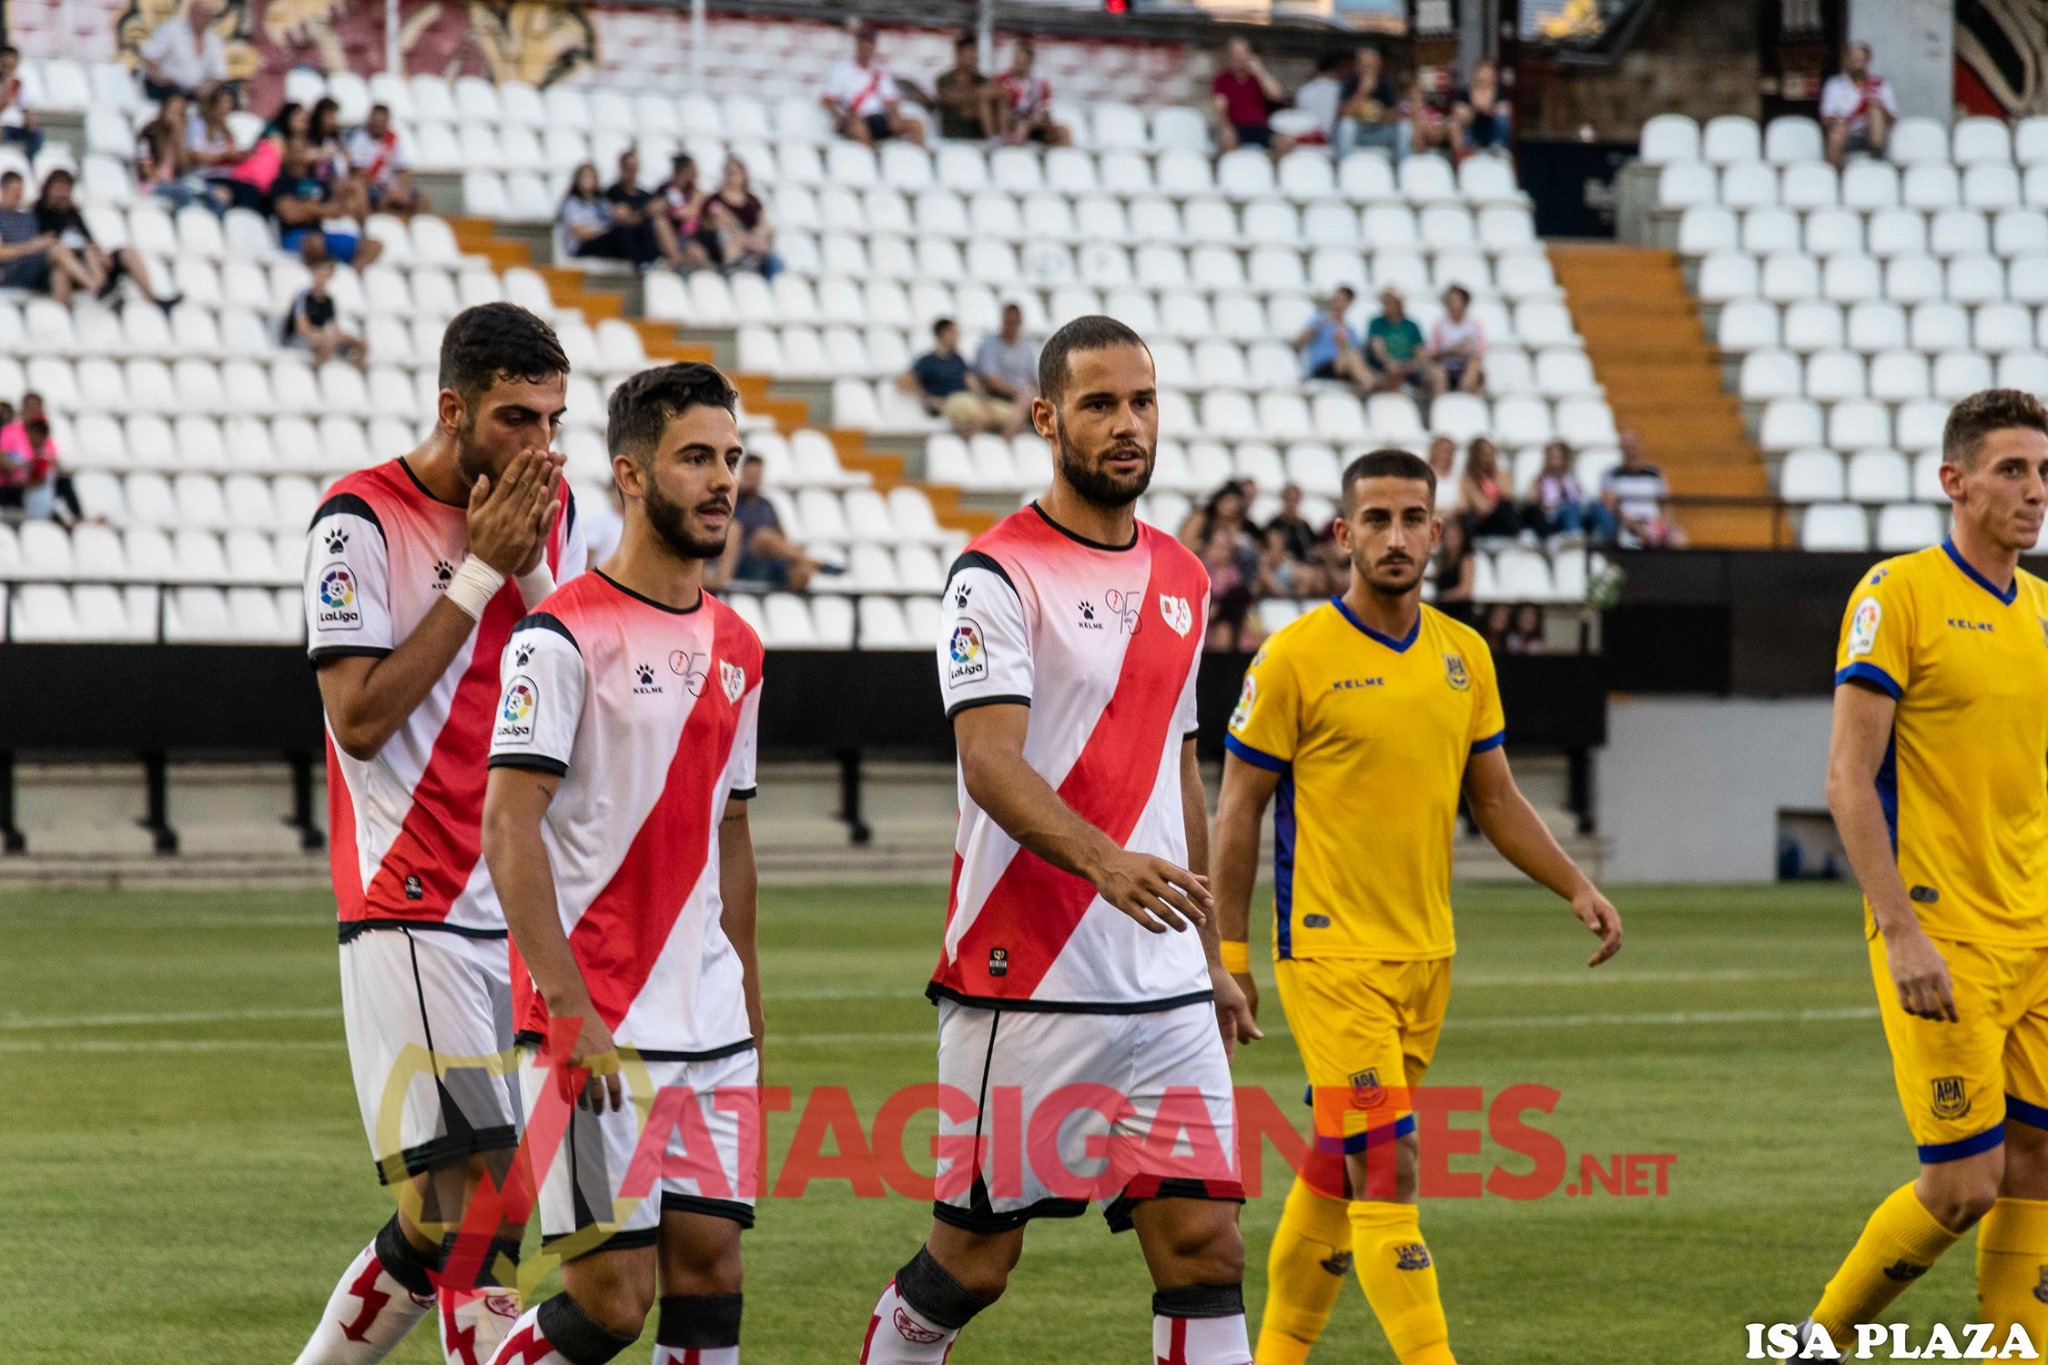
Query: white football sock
{"x": 474, "y": 1321}
{"x": 368, "y": 1314}
{"x": 529, "y": 1343}
{"x": 899, "y": 1335}
{"x": 1200, "y": 1341}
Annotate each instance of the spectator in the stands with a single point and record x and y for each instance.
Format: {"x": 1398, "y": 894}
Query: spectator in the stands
{"x": 377, "y": 156}
{"x": 1006, "y": 362}
{"x": 1487, "y": 501}
{"x": 683, "y": 201}
{"x": 1370, "y": 115}
{"x": 185, "y": 53}
{"x": 1243, "y": 97}
{"x": 1329, "y": 344}
{"x": 17, "y": 121}
{"x": 313, "y": 323}
{"x": 1226, "y": 515}
{"x": 31, "y": 472}
{"x": 863, "y": 97}
{"x": 1525, "y": 630}
{"x": 585, "y": 219}
{"x": 31, "y": 258}
{"x": 963, "y": 96}
{"x": 1636, "y": 493}
{"x": 762, "y": 553}
{"x": 1429, "y": 117}
{"x": 1558, "y": 505}
{"x": 1857, "y": 109}
{"x": 742, "y": 236}
{"x": 164, "y": 167}
{"x": 1443, "y": 462}
{"x": 640, "y": 222}
{"x": 299, "y": 203}
{"x": 1293, "y": 550}
{"x": 1023, "y": 103}
{"x": 1454, "y": 569}
{"x": 1220, "y": 531}
{"x": 209, "y": 137}
{"x": 1457, "y": 346}
{"x": 1394, "y": 346}
{"x": 57, "y": 214}
{"x": 347, "y": 194}
{"x": 942, "y": 382}
{"x": 1480, "y": 110}
{"x": 1322, "y": 94}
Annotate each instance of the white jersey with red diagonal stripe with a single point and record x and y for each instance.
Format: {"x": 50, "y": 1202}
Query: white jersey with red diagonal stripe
{"x": 404, "y": 828}
{"x": 1103, "y": 643}
{"x": 649, "y": 716}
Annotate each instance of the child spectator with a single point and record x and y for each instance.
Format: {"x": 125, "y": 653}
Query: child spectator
{"x": 1635, "y": 493}
{"x": 30, "y": 469}
{"x": 312, "y": 322}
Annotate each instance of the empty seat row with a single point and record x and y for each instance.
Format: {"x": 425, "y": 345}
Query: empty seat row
{"x": 1895, "y": 529}
{"x": 1733, "y": 138}
{"x": 1931, "y": 328}
{"x": 1894, "y": 376}
{"x": 52, "y": 613}
{"x": 1865, "y": 185}
{"x": 1852, "y": 424}
{"x": 1707, "y": 228}
{"x": 1866, "y": 476}
{"x": 1849, "y": 278}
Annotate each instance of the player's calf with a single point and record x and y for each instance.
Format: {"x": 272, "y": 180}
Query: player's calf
{"x": 382, "y": 1295}
{"x": 920, "y": 1314}
{"x": 1196, "y": 1255}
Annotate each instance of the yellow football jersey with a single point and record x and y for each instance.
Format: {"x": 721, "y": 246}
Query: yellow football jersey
{"x": 1370, "y": 735}
{"x": 1965, "y": 782}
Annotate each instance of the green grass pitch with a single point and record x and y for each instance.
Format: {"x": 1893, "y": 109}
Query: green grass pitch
{"x": 183, "y": 1175}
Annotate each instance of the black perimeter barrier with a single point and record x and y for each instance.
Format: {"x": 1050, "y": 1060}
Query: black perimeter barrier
{"x": 160, "y": 703}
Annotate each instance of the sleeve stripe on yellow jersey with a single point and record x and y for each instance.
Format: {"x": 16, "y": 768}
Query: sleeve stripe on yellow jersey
{"x": 1492, "y": 741}
{"x": 1258, "y": 758}
{"x": 1872, "y": 674}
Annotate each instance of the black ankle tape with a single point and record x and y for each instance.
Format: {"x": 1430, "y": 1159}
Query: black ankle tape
{"x": 1200, "y": 1301}
{"x": 705, "y": 1321}
{"x": 573, "y": 1333}
{"x": 937, "y": 1296}
{"x": 404, "y": 1262}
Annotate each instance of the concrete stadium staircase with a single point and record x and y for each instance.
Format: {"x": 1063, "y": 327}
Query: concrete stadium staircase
{"x": 1649, "y": 349}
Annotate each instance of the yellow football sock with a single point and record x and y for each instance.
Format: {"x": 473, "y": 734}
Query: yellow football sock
{"x": 2012, "y": 1269}
{"x": 1304, "y": 1272}
{"x": 1901, "y": 1240}
{"x": 1399, "y": 1277}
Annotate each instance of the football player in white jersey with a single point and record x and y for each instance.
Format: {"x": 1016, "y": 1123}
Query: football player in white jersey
{"x": 416, "y": 570}
{"x": 1079, "y": 956}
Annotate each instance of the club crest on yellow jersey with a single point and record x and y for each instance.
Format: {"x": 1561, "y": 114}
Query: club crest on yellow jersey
{"x": 1951, "y": 1099}
{"x": 1455, "y": 674}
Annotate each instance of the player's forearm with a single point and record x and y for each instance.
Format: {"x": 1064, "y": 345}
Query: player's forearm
{"x": 738, "y": 888}
{"x": 525, "y": 882}
{"x": 1867, "y": 839}
{"x": 392, "y": 688}
{"x": 1512, "y": 825}
{"x": 1027, "y": 809}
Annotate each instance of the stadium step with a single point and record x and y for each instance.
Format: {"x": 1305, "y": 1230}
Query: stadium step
{"x": 1649, "y": 351}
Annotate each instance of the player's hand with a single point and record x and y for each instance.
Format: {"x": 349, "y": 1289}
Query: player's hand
{"x": 1925, "y": 990}
{"x": 1598, "y": 914}
{"x": 1154, "y": 892}
{"x": 550, "y": 512}
{"x": 503, "y": 512}
{"x": 1250, "y": 988}
{"x": 595, "y": 1052}
{"x": 1235, "y": 1018}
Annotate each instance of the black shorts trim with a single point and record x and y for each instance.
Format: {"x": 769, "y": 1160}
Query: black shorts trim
{"x": 618, "y": 1241}
{"x": 528, "y": 1038}
{"x": 351, "y": 928}
{"x": 321, "y": 654}
{"x": 673, "y": 1201}
{"x": 1005, "y": 700}
{"x": 934, "y": 992}
{"x": 444, "y": 1151}
{"x": 1117, "y": 1212}
{"x": 539, "y": 763}
{"x": 988, "y": 1221}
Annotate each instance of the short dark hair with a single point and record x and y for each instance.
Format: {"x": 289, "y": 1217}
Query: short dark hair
{"x": 1387, "y": 463}
{"x": 9, "y": 50}
{"x": 10, "y": 176}
{"x": 496, "y": 339}
{"x": 1984, "y": 412}
{"x": 1092, "y": 332}
{"x": 941, "y": 324}
{"x": 641, "y": 407}
{"x": 380, "y": 104}
{"x": 1461, "y": 291}
{"x": 966, "y": 40}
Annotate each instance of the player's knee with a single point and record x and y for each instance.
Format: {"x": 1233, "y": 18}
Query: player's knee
{"x": 617, "y": 1304}
{"x": 1208, "y": 1251}
{"x": 1959, "y": 1198}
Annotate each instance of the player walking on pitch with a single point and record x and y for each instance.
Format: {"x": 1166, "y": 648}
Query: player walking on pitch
{"x": 1078, "y": 950}
{"x": 1938, "y": 780}
{"x": 1368, "y": 716}
{"x": 616, "y": 829}
{"x": 416, "y": 570}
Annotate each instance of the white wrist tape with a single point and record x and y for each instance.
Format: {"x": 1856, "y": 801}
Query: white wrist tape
{"x": 473, "y": 587}
{"x": 536, "y": 583}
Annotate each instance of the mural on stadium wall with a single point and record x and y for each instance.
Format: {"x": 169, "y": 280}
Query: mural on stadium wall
{"x": 536, "y": 41}
{"x": 2002, "y": 57}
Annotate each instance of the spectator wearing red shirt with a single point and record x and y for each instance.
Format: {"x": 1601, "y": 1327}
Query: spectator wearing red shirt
{"x": 1023, "y": 103}
{"x": 1244, "y": 96}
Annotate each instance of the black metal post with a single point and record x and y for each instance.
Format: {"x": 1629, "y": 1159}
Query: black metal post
{"x": 1579, "y": 785}
{"x": 311, "y": 838}
{"x": 157, "y": 771}
{"x": 11, "y": 838}
{"x": 857, "y": 831}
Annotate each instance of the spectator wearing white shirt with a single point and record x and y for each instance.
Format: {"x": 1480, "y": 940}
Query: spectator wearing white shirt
{"x": 377, "y": 156}
{"x": 17, "y": 120}
{"x": 864, "y": 99}
{"x": 1457, "y": 345}
{"x": 185, "y": 54}
{"x": 1856, "y": 108}
{"x": 1322, "y": 95}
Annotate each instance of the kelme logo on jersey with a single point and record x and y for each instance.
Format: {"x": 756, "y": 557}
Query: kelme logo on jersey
{"x": 515, "y": 717}
{"x": 1951, "y": 1098}
{"x": 1179, "y": 616}
{"x": 734, "y": 679}
{"x": 966, "y": 657}
{"x": 1455, "y": 674}
{"x": 1245, "y": 700}
{"x": 338, "y": 609}
{"x": 1863, "y": 627}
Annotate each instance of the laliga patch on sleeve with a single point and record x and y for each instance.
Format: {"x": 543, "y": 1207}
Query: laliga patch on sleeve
{"x": 1245, "y": 701}
{"x": 515, "y": 716}
{"x": 337, "y": 609}
{"x": 966, "y": 654}
{"x": 1863, "y": 627}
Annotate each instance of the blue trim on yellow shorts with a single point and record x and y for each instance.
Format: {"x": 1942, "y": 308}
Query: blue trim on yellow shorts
{"x": 2033, "y": 1115}
{"x": 1354, "y": 1143}
{"x": 1935, "y": 1153}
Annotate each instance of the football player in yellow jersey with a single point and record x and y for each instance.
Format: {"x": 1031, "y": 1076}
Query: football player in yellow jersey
{"x": 1938, "y": 780}
{"x": 1368, "y": 716}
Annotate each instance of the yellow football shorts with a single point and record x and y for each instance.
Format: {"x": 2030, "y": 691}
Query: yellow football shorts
{"x": 1959, "y": 1082}
{"x": 1367, "y": 1030}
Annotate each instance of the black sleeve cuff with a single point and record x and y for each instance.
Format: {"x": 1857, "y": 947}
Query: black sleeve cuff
{"x": 539, "y": 763}
{"x": 742, "y": 793}
{"x": 1006, "y": 700}
{"x": 321, "y": 654}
